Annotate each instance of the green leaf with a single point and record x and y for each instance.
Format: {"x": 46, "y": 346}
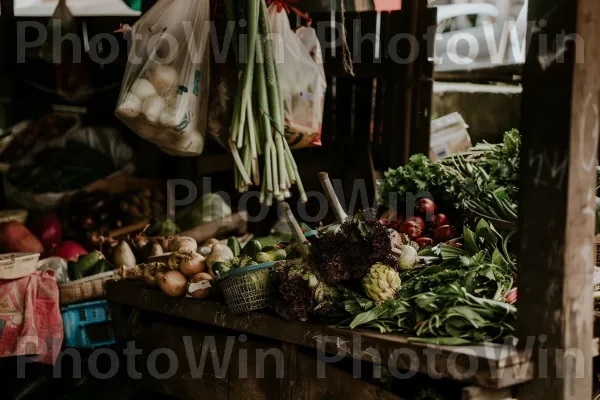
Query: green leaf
{"x": 498, "y": 259}
{"x": 469, "y": 241}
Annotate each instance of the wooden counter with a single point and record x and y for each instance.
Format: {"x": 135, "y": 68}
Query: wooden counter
{"x": 489, "y": 366}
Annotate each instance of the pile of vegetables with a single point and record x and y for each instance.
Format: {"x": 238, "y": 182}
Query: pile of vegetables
{"x": 426, "y": 227}
{"x": 257, "y": 126}
{"x": 481, "y": 181}
{"x": 458, "y": 300}
{"x": 61, "y": 169}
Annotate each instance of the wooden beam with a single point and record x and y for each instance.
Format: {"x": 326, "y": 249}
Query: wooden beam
{"x": 559, "y": 124}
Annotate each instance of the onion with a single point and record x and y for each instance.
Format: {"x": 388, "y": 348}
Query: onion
{"x": 153, "y": 107}
{"x": 48, "y": 230}
{"x": 123, "y": 255}
{"x": 163, "y": 77}
{"x": 193, "y": 266}
{"x": 180, "y": 242}
{"x": 142, "y": 88}
{"x": 131, "y": 107}
{"x": 16, "y": 238}
{"x": 69, "y": 251}
{"x": 200, "y": 285}
{"x": 172, "y": 283}
{"x": 210, "y": 242}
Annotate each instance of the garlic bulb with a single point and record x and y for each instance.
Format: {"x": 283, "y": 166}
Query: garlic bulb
{"x": 131, "y": 107}
{"x": 163, "y": 77}
{"x": 153, "y": 107}
{"x": 142, "y": 88}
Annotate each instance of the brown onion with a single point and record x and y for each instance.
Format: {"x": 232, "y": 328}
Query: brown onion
{"x": 194, "y": 265}
{"x": 201, "y": 293}
{"x": 172, "y": 283}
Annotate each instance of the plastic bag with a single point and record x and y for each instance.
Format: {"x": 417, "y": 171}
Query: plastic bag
{"x": 164, "y": 96}
{"x": 301, "y": 77}
{"x": 106, "y": 140}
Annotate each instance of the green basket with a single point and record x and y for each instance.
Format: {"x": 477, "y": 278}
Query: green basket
{"x": 246, "y": 289}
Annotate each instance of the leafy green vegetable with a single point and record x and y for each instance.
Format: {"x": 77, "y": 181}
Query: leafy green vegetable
{"x": 458, "y": 301}
{"x": 420, "y": 175}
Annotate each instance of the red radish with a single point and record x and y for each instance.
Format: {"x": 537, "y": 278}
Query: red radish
{"x": 412, "y": 229}
{"x": 444, "y": 233}
{"x": 425, "y": 207}
{"x": 424, "y": 242}
{"x": 441, "y": 220}
{"x": 69, "y": 251}
{"x": 420, "y": 221}
{"x": 48, "y": 230}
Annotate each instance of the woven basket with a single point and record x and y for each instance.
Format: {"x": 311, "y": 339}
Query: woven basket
{"x": 246, "y": 289}
{"x": 92, "y": 287}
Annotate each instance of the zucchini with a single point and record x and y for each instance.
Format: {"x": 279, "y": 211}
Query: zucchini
{"x": 87, "y": 262}
{"x": 100, "y": 267}
{"x": 234, "y": 245}
{"x": 252, "y": 248}
{"x": 72, "y": 271}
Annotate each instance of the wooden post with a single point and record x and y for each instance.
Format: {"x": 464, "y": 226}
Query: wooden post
{"x": 560, "y": 123}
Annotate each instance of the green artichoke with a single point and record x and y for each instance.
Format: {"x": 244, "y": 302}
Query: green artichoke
{"x": 381, "y": 283}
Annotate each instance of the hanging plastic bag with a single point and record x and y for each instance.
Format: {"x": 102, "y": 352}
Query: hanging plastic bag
{"x": 302, "y": 79}
{"x": 164, "y": 96}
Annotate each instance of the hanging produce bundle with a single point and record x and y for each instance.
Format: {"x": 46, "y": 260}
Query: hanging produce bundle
{"x": 164, "y": 97}
{"x": 258, "y": 123}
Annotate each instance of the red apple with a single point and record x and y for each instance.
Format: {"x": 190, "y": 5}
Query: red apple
{"x": 444, "y": 233}
{"x": 441, "y": 220}
{"x": 412, "y": 229}
{"x": 425, "y": 207}
{"x": 424, "y": 242}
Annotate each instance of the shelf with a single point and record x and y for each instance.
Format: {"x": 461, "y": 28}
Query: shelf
{"x": 493, "y": 366}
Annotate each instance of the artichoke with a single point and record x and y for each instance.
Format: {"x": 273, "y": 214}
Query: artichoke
{"x": 381, "y": 283}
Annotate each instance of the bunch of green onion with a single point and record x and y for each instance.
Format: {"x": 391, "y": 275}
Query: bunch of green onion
{"x": 257, "y": 127}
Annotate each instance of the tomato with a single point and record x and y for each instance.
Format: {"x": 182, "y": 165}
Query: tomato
{"x": 444, "y": 233}
{"x": 441, "y": 220}
{"x": 412, "y": 229}
{"x": 424, "y": 242}
{"x": 420, "y": 221}
{"x": 425, "y": 207}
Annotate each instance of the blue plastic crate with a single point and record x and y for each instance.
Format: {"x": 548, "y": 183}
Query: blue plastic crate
{"x": 87, "y": 325}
